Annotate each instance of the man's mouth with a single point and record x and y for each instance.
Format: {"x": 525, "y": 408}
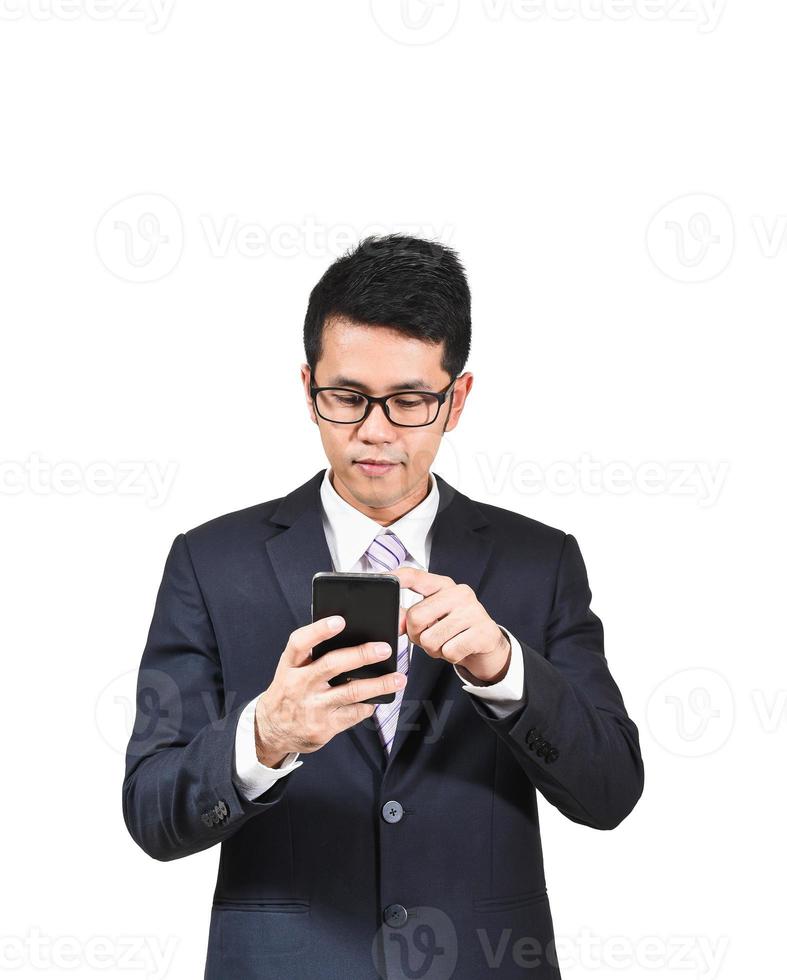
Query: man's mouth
{"x": 374, "y": 467}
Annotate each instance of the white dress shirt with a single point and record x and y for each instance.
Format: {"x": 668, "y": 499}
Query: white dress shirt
{"x": 349, "y": 533}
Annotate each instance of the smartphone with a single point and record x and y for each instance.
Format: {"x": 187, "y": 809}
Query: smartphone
{"x": 369, "y": 603}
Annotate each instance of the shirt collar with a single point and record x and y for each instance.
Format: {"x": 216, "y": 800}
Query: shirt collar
{"x": 349, "y": 532}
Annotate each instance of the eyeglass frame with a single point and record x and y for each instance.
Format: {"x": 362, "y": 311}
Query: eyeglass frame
{"x": 372, "y": 400}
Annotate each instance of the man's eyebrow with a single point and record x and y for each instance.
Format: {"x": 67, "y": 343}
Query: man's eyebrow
{"x": 414, "y": 384}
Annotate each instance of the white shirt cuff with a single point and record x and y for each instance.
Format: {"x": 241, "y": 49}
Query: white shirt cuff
{"x": 250, "y": 776}
{"x": 504, "y": 696}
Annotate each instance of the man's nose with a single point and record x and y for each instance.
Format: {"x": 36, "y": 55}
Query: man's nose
{"x": 377, "y": 422}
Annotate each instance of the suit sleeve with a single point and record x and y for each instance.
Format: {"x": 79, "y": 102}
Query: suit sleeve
{"x": 179, "y": 795}
{"x": 571, "y": 733}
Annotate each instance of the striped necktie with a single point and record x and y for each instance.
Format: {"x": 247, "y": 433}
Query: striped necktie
{"x": 385, "y": 553}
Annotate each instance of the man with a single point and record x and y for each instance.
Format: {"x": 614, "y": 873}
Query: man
{"x": 391, "y": 840}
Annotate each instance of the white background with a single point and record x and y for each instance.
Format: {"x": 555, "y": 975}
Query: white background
{"x": 612, "y": 173}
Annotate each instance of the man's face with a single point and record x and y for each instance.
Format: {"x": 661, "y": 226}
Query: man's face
{"x": 378, "y": 360}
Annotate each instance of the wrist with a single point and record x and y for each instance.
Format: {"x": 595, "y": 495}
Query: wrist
{"x": 483, "y": 670}
{"x": 269, "y": 753}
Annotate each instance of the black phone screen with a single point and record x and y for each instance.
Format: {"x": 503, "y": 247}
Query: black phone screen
{"x": 369, "y": 603}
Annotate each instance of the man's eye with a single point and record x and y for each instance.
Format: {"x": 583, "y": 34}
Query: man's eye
{"x": 409, "y": 402}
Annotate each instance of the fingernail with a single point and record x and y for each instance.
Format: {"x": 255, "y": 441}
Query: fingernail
{"x": 399, "y": 680}
{"x": 382, "y": 648}
{"x": 334, "y": 622}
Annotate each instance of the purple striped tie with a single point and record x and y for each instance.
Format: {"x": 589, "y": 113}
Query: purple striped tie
{"x": 385, "y": 553}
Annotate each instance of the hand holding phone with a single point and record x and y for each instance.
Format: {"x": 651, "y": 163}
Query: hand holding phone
{"x": 305, "y": 706}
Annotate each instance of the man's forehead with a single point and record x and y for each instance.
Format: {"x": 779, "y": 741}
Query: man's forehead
{"x": 342, "y": 363}
{"x": 341, "y": 332}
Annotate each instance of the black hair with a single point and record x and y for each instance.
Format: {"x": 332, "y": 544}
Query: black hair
{"x": 409, "y": 284}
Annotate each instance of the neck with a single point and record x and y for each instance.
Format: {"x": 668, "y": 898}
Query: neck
{"x": 383, "y": 515}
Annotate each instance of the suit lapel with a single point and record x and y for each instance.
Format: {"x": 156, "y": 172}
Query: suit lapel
{"x": 301, "y": 549}
{"x": 458, "y": 551}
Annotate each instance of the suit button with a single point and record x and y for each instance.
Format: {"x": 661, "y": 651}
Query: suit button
{"x": 395, "y": 915}
{"x": 552, "y": 756}
{"x": 207, "y": 819}
{"x": 392, "y": 811}
{"x": 223, "y": 809}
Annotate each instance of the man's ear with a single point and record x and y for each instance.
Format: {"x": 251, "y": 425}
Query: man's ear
{"x": 468, "y": 385}
{"x": 306, "y": 381}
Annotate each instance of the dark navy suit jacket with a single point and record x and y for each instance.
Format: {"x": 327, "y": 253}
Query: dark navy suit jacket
{"x": 317, "y": 877}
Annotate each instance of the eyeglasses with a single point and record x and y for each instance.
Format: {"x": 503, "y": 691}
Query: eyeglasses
{"x": 407, "y": 408}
